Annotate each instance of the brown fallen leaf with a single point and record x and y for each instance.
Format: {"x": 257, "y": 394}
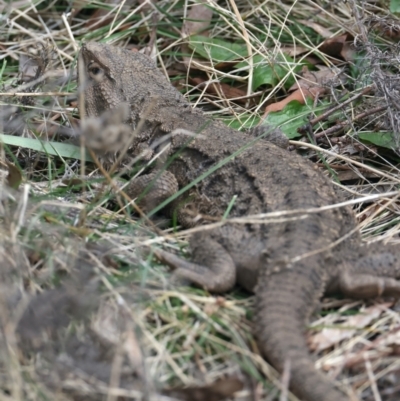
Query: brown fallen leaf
{"x": 325, "y": 33}
{"x": 197, "y": 21}
{"x": 312, "y": 84}
{"x": 102, "y": 16}
{"x": 294, "y": 50}
{"x": 316, "y": 81}
{"x": 14, "y": 177}
{"x": 218, "y": 88}
{"x": 328, "y": 337}
{"x": 339, "y": 46}
{"x": 300, "y": 95}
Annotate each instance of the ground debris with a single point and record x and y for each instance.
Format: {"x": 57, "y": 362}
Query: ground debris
{"x": 56, "y": 319}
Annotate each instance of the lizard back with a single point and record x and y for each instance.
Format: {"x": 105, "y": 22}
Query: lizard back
{"x": 290, "y": 260}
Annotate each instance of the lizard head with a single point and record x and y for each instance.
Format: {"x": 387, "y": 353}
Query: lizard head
{"x": 111, "y": 75}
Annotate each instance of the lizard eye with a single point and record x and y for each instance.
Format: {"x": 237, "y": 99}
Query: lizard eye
{"x": 96, "y": 72}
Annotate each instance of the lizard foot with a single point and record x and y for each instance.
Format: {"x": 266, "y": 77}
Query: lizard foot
{"x": 270, "y": 134}
{"x": 357, "y": 285}
{"x": 374, "y": 274}
{"x": 212, "y": 268}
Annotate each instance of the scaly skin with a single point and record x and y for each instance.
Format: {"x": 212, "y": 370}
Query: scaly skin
{"x": 292, "y": 259}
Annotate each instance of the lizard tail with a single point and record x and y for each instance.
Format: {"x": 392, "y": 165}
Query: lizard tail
{"x": 284, "y": 302}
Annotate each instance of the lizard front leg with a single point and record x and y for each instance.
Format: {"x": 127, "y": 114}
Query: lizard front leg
{"x": 152, "y": 189}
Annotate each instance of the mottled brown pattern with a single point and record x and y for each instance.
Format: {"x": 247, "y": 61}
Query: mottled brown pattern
{"x": 290, "y": 261}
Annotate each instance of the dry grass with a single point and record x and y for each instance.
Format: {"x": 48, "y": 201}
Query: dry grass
{"x": 186, "y": 336}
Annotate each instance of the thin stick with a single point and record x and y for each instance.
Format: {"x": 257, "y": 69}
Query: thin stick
{"x": 36, "y": 93}
{"x": 338, "y": 156}
{"x": 248, "y": 45}
{"x": 329, "y": 112}
{"x": 343, "y": 124}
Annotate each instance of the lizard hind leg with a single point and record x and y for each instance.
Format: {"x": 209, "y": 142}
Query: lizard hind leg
{"x": 152, "y": 189}
{"x": 211, "y": 268}
{"x": 375, "y": 274}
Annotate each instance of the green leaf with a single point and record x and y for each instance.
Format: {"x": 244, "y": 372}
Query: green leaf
{"x": 395, "y": 6}
{"x": 51, "y": 148}
{"x": 383, "y": 139}
{"x": 264, "y": 71}
{"x": 271, "y": 73}
{"x": 217, "y": 50}
{"x": 3, "y": 67}
{"x": 292, "y": 117}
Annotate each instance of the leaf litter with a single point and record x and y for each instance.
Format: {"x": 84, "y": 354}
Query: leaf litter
{"x": 100, "y": 332}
